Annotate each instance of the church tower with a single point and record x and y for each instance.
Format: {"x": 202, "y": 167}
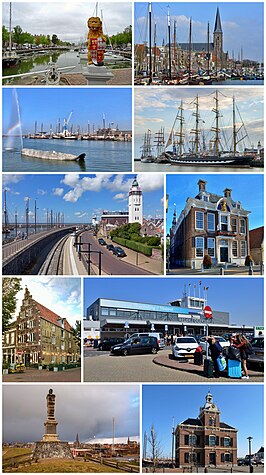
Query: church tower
{"x": 218, "y": 41}
{"x": 209, "y": 414}
{"x": 135, "y": 203}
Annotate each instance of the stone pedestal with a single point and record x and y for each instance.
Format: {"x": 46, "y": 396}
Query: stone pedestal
{"x": 97, "y": 75}
{"x": 52, "y": 450}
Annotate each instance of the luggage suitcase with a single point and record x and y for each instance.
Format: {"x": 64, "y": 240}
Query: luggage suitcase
{"x": 234, "y": 369}
{"x": 208, "y": 368}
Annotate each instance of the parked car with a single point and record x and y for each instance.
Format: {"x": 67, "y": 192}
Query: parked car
{"x": 102, "y": 242}
{"x": 110, "y": 247}
{"x": 257, "y": 357}
{"x": 158, "y": 335}
{"x": 220, "y": 339}
{"x": 184, "y": 347}
{"x": 138, "y": 345}
{"x": 241, "y": 462}
{"x": 107, "y": 343}
{"x": 119, "y": 252}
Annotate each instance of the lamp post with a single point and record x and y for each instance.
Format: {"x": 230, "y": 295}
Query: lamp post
{"x": 249, "y": 453}
{"x": 168, "y": 244}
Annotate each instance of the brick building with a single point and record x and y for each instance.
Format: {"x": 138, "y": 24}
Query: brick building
{"x": 41, "y": 336}
{"x": 210, "y": 224}
{"x": 206, "y": 441}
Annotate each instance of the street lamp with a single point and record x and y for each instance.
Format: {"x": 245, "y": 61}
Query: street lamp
{"x": 168, "y": 244}
{"x": 249, "y": 453}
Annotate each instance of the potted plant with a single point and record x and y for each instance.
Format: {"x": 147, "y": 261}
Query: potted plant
{"x": 5, "y": 367}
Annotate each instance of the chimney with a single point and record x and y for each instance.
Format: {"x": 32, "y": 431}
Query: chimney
{"x": 202, "y": 185}
{"x": 227, "y": 193}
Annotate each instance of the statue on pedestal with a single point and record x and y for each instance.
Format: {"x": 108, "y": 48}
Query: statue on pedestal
{"x": 96, "y": 42}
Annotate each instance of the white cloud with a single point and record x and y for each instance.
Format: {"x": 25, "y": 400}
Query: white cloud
{"x": 120, "y": 196}
{"x": 41, "y": 192}
{"x": 58, "y": 191}
{"x": 7, "y": 179}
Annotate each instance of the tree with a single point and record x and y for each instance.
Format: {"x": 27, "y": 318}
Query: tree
{"x": 55, "y": 39}
{"x": 77, "y": 329}
{"x": 155, "y": 446}
{"x": 17, "y": 35}
{"x": 5, "y": 35}
{"x": 10, "y": 287}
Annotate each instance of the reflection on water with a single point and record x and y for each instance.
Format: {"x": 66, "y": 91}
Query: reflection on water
{"x": 101, "y": 156}
{"x": 168, "y": 168}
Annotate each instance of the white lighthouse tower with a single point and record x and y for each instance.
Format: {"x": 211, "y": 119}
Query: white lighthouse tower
{"x": 135, "y": 203}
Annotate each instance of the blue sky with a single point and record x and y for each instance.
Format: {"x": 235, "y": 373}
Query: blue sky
{"x": 47, "y": 105}
{"x": 80, "y": 196}
{"x": 153, "y": 111}
{"x": 222, "y": 293}
{"x": 240, "y": 406}
{"x": 242, "y": 24}
{"x": 248, "y": 189}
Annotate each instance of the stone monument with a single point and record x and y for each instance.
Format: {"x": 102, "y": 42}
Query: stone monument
{"x": 50, "y": 446}
{"x": 95, "y": 72}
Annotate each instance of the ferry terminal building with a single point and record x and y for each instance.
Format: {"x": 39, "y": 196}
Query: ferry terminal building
{"x": 183, "y": 316}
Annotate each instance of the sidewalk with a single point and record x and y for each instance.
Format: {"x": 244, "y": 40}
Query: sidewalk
{"x": 191, "y": 368}
{"x": 215, "y": 271}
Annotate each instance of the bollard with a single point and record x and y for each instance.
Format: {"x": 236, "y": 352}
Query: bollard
{"x": 261, "y": 268}
{"x": 222, "y": 271}
{"x": 250, "y": 270}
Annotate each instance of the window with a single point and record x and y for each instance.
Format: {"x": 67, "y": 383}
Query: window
{"x": 212, "y": 421}
{"x": 234, "y": 249}
{"x": 227, "y": 457}
{"x": 199, "y": 241}
{"x": 227, "y": 441}
{"x": 53, "y": 340}
{"x": 212, "y": 440}
{"x": 211, "y": 247}
{"x": 243, "y": 248}
{"x": 242, "y": 226}
{"x": 205, "y": 198}
{"x": 224, "y": 222}
{"x": 199, "y": 220}
{"x": 211, "y": 221}
{"x": 192, "y": 439}
{"x": 234, "y": 225}
{"x": 186, "y": 457}
{"x": 104, "y": 311}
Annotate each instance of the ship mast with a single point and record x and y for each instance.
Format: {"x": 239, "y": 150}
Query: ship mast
{"x": 175, "y": 55}
{"x": 216, "y": 128}
{"x": 150, "y": 47}
{"x": 10, "y": 33}
{"x": 208, "y": 39}
{"x": 196, "y": 130}
{"x": 169, "y": 41}
{"x": 180, "y": 134}
{"x": 154, "y": 54}
{"x": 234, "y": 126}
{"x": 190, "y": 47}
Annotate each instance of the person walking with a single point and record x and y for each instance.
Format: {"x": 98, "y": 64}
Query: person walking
{"x": 242, "y": 344}
{"x": 215, "y": 350}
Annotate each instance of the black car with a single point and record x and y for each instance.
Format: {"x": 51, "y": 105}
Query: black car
{"x": 106, "y": 344}
{"x": 134, "y": 346}
{"x": 102, "y": 242}
{"x": 257, "y": 357}
{"x": 110, "y": 247}
{"x": 119, "y": 252}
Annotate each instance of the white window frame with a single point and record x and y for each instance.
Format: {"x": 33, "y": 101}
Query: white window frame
{"x": 234, "y": 218}
{"x": 199, "y": 247}
{"x": 245, "y": 229}
{"x": 227, "y": 222}
{"x": 201, "y": 213}
{"x": 229, "y": 440}
{"x": 213, "y": 216}
{"x": 235, "y": 242}
{"x": 211, "y": 247}
{"x": 214, "y": 438}
{"x": 241, "y": 253}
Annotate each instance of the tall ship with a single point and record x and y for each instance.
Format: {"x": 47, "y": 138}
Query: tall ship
{"x": 216, "y": 151}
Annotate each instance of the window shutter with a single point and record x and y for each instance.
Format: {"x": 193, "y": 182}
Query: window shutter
{"x": 206, "y": 440}
{"x": 186, "y": 439}
{"x": 193, "y": 242}
{"x": 198, "y": 440}
{"x": 222, "y": 457}
{"x": 222, "y": 441}
{"x": 217, "y": 440}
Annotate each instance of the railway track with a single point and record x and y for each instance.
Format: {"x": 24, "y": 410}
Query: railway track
{"x": 53, "y": 265}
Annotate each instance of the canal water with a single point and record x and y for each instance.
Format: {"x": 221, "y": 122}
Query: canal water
{"x": 35, "y": 63}
{"x": 101, "y": 156}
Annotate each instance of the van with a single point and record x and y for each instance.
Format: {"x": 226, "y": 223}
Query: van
{"x": 159, "y": 336}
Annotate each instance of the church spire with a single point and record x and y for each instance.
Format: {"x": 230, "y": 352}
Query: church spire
{"x": 218, "y": 23}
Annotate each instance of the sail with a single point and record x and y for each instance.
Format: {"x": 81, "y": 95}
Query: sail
{"x": 14, "y": 133}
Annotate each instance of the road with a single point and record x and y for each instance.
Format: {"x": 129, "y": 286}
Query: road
{"x": 110, "y": 264}
{"x": 102, "y": 367}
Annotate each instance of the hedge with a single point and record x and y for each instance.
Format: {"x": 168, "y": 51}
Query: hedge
{"x": 135, "y": 246}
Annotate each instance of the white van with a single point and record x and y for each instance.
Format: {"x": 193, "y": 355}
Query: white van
{"x": 159, "y": 336}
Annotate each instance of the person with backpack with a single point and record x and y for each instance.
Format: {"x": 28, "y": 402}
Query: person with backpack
{"x": 245, "y": 349}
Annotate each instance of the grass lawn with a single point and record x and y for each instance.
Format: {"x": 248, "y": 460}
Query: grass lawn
{"x": 64, "y": 466}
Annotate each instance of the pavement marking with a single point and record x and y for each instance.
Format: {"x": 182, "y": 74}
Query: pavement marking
{"x": 74, "y": 270}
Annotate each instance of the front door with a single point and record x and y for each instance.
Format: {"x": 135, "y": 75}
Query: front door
{"x": 27, "y": 359}
{"x": 223, "y": 254}
{"x": 212, "y": 458}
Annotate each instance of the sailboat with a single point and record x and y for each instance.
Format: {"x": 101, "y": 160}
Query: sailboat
{"x": 216, "y": 155}
{"x": 147, "y": 155}
{"x": 10, "y": 58}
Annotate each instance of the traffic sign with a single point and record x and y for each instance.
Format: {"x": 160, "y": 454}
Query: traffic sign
{"x": 207, "y": 312}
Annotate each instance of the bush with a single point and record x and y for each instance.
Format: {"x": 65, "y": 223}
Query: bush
{"x": 153, "y": 241}
{"x": 135, "y": 246}
{"x": 207, "y": 261}
{"x": 248, "y": 261}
